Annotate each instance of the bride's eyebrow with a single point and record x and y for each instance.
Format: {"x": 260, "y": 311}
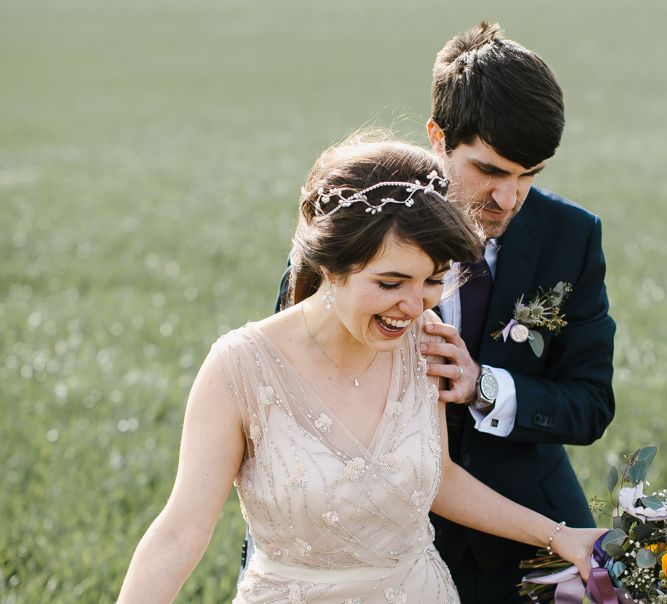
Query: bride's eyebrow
{"x": 394, "y": 274}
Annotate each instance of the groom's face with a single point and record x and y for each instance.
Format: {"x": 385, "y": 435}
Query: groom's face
{"x": 493, "y": 185}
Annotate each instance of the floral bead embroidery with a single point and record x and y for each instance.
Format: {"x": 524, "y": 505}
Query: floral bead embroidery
{"x": 256, "y": 434}
{"x": 417, "y": 497}
{"x": 299, "y": 477}
{"x": 330, "y": 517}
{"x": 267, "y": 395}
{"x": 395, "y": 595}
{"x": 323, "y": 423}
{"x": 397, "y": 411}
{"x": 390, "y": 462}
{"x": 354, "y": 468}
{"x": 303, "y": 547}
{"x": 294, "y": 594}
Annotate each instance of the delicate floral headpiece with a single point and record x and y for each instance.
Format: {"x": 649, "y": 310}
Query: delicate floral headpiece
{"x": 326, "y": 197}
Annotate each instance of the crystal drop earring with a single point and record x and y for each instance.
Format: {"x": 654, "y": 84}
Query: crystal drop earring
{"x": 328, "y": 298}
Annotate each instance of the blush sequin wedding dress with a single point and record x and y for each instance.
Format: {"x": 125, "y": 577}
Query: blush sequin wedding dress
{"x": 334, "y": 521}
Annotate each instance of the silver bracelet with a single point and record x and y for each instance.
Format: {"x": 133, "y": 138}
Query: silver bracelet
{"x": 560, "y": 525}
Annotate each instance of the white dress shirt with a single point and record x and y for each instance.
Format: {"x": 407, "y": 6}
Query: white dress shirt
{"x": 500, "y": 421}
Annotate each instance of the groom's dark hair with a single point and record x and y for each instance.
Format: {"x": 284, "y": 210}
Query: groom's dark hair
{"x": 492, "y": 87}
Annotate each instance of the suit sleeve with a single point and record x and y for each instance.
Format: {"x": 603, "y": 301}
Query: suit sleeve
{"x": 573, "y": 402}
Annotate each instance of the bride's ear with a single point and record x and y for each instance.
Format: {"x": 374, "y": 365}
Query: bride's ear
{"x": 437, "y": 136}
{"x": 327, "y": 276}
{"x": 330, "y": 278}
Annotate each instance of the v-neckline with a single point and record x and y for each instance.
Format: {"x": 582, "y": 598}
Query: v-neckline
{"x": 393, "y": 387}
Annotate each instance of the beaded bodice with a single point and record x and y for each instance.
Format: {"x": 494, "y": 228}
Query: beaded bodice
{"x": 322, "y": 508}
{"x": 311, "y": 493}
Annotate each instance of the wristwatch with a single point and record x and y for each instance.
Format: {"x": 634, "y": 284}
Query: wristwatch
{"x": 487, "y": 391}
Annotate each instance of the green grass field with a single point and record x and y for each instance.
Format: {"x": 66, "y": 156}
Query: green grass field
{"x": 151, "y": 156}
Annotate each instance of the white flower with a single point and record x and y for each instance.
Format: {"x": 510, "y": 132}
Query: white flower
{"x": 390, "y": 462}
{"x": 299, "y": 477}
{"x": 323, "y": 423}
{"x": 354, "y": 468}
{"x": 627, "y": 498}
{"x": 330, "y": 517}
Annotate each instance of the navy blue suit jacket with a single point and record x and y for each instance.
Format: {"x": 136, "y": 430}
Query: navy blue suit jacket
{"x": 563, "y": 397}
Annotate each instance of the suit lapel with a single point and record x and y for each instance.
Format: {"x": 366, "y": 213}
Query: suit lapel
{"x": 515, "y": 275}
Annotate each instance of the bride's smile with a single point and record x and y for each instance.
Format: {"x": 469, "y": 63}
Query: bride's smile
{"x": 376, "y": 305}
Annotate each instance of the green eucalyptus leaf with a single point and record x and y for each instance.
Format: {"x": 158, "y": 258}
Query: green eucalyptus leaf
{"x": 617, "y": 569}
{"x": 637, "y": 473}
{"x": 536, "y": 342}
{"x": 651, "y": 502}
{"x": 645, "y": 558}
{"x": 612, "y": 479}
{"x": 647, "y": 454}
{"x": 613, "y": 542}
{"x": 617, "y": 522}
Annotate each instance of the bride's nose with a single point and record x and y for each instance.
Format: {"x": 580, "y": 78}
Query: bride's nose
{"x": 413, "y": 304}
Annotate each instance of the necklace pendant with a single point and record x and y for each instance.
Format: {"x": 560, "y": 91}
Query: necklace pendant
{"x": 355, "y": 381}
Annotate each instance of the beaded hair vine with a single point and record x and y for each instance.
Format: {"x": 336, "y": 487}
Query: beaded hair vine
{"x": 325, "y": 197}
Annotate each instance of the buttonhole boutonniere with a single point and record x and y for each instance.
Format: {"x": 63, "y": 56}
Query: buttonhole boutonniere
{"x": 542, "y": 311}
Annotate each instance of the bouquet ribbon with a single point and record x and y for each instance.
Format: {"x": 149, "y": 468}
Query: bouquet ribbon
{"x": 570, "y": 588}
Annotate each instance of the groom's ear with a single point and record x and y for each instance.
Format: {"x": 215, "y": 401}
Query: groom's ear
{"x": 437, "y": 137}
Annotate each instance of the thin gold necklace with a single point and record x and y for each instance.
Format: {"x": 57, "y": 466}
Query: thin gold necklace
{"x": 354, "y": 380}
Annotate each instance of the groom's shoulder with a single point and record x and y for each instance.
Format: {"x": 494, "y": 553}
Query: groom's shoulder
{"x": 551, "y": 206}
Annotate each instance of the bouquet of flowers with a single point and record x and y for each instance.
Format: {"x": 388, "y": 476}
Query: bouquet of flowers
{"x": 629, "y": 562}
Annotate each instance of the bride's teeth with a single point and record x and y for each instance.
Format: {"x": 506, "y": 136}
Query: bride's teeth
{"x": 395, "y": 322}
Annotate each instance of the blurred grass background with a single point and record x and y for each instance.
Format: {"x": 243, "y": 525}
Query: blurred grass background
{"x": 151, "y": 155}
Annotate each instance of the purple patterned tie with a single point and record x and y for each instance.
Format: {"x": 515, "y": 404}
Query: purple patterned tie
{"x": 475, "y": 294}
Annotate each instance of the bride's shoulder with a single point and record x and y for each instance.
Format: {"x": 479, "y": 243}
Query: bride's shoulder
{"x": 273, "y": 328}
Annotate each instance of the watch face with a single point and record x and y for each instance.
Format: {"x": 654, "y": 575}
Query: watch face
{"x": 489, "y": 386}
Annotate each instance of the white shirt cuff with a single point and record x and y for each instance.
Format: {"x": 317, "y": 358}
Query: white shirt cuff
{"x": 500, "y": 422}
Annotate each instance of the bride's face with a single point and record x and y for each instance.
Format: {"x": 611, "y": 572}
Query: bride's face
{"x": 378, "y": 304}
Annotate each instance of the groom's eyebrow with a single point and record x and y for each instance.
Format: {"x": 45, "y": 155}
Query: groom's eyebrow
{"x": 493, "y": 169}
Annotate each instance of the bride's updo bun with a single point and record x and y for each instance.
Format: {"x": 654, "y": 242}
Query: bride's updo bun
{"x": 343, "y": 236}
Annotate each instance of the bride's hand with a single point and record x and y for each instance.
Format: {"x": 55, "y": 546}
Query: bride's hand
{"x": 576, "y": 546}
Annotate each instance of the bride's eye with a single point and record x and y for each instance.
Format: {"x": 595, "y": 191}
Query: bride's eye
{"x": 386, "y": 285}
{"x": 440, "y": 281}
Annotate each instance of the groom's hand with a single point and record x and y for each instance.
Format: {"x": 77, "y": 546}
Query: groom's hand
{"x": 459, "y": 369}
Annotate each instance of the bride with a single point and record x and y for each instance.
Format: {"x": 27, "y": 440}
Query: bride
{"x": 323, "y": 416}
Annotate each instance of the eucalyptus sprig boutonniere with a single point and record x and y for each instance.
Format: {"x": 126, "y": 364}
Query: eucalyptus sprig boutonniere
{"x": 542, "y": 311}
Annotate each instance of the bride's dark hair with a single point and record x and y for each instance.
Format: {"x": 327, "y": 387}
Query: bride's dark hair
{"x": 346, "y": 240}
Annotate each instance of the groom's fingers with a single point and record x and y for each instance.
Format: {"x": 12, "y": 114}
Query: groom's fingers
{"x": 444, "y": 330}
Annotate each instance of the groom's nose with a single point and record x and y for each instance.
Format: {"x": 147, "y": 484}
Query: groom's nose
{"x": 506, "y": 193}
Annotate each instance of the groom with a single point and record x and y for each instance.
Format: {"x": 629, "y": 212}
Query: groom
{"x": 497, "y": 116}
